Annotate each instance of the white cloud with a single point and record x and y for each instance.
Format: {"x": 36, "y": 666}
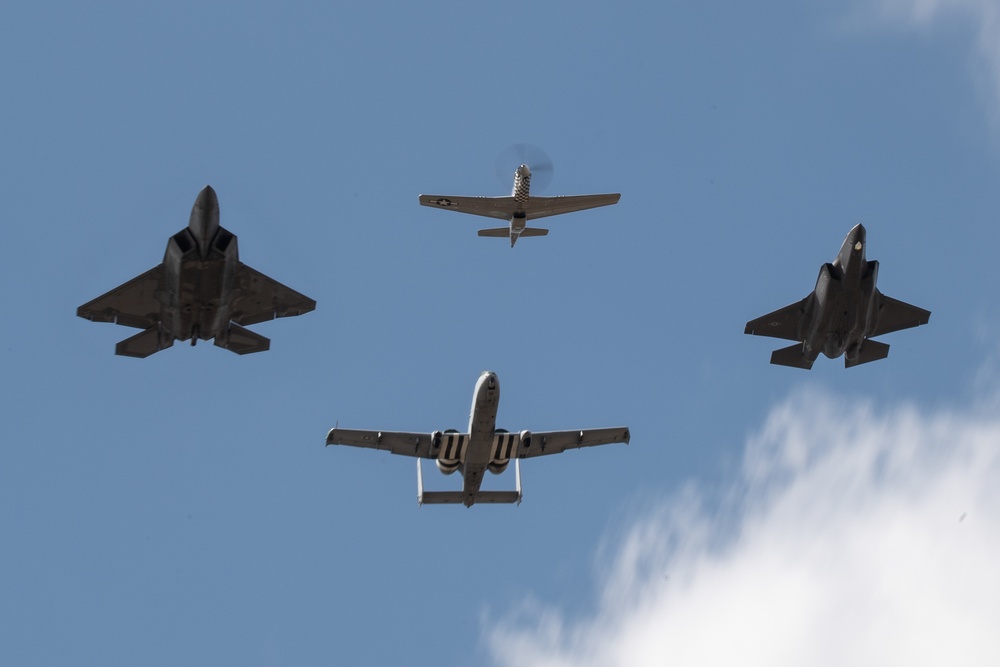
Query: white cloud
{"x": 856, "y": 535}
{"x": 982, "y": 15}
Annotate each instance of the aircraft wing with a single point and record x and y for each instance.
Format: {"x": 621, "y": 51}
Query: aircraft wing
{"x": 894, "y": 315}
{"x": 135, "y": 304}
{"x": 782, "y": 323}
{"x": 501, "y": 208}
{"x": 555, "y": 442}
{"x": 407, "y": 444}
{"x": 543, "y": 207}
{"x": 257, "y": 298}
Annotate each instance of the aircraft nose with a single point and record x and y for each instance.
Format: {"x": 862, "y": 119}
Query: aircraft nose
{"x": 857, "y": 236}
{"x": 207, "y": 198}
{"x": 523, "y": 171}
{"x": 490, "y": 378}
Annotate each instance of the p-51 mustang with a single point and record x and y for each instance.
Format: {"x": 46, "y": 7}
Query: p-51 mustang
{"x": 483, "y": 447}
{"x": 519, "y": 207}
{"x": 200, "y": 290}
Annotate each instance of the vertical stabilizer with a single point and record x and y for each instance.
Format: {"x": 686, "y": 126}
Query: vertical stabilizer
{"x": 420, "y": 484}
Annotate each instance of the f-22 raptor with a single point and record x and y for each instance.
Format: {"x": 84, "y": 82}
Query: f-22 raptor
{"x": 520, "y": 207}
{"x": 841, "y": 315}
{"x": 201, "y": 290}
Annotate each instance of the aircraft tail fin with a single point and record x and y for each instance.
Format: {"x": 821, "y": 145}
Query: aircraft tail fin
{"x": 792, "y": 356}
{"x": 498, "y": 232}
{"x": 504, "y": 232}
{"x": 241, "y": 340}
{"x": 459, "y": 498}
{"x": 508, "y": 497}
{"x": 435, "y": 497}
{"x": 441, "y": 498}
{"x": 871, "y": 350}
{"x": 143, "y": 344}
{"x": 501, "y": 497}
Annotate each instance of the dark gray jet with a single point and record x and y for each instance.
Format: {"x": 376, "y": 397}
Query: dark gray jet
{"x": 841, "y": 315}
{"x": 201, "y": 290}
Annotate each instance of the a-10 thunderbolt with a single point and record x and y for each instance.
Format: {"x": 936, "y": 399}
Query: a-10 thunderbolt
{"x": 520, "y": 207}
{"x": 841, "y": 315}
{"x": 482, "y": 447}
{"x": 201, "y": 290}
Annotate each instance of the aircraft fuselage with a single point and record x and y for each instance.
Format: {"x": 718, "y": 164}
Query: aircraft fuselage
{"x": 520, "y": 192}
{"x": 199, "y": 265}
{"x": 839, "y": 312}
{"x": 482, "y": 427}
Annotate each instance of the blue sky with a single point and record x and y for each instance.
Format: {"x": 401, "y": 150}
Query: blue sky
{"x": 182, "y": 509}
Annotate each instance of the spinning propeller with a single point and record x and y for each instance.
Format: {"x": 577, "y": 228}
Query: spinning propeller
{"x": 537, "y": 160}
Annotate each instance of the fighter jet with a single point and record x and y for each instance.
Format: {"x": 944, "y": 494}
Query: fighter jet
{"x": 519, "y": 207}
{"x": 841, "y": 315}
{"x": 201, "y": 290}
{"x": 482, "y": 447}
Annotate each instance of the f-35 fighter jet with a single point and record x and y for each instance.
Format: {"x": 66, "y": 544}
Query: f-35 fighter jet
{"x": 483, "y": 447}
{"x": 841, "y": 315}
{"x": 201, "y": 290}
{"x": 519, "y": 207}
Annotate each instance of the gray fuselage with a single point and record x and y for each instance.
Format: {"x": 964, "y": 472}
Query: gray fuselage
{"x": 841, "y": 311}
{"x": 482, "y": 425}
{"x": 199, "y": 265}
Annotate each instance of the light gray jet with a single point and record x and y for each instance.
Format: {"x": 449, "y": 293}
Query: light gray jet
{"x": 519, "y": 207}
{"x": 841, "y": 315}
{"x": 483, "y": 447}
{"x": 200, "y": 290}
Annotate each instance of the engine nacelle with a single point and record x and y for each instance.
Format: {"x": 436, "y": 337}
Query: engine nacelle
{"x": 447, "y": 447}
{"x": 504, "y": 448}
{"x": 525, "y": 439}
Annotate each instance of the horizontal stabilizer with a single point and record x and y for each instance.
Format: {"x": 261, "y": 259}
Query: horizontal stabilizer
{"x": 498, "y": 232}
{"x": 241, "y": 340}
{"x": 441, "y": 498}
{"x": 461, "y": 498}
{"x": 791, "y": 356}
{"x": 506, "y": 497}
{"x": 143, "y": 344}
{"x": 458, "y": 497}
{"x": 871, "y": 350}
{"x": 504, "y": 232}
